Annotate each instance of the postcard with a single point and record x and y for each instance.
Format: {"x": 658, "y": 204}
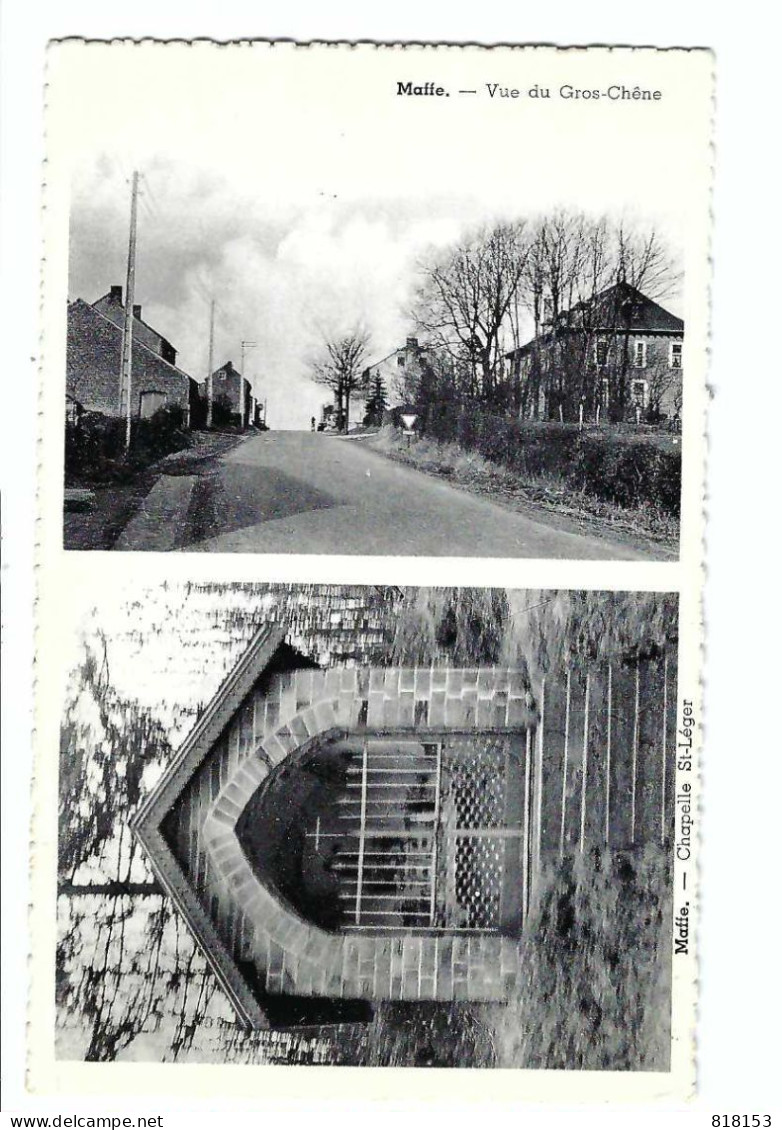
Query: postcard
{"x": 370, "y": 565}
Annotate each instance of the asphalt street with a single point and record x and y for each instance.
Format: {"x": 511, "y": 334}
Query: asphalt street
{"x": 304, "y": 492}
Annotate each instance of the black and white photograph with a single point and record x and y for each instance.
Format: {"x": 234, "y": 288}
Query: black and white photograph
{"x": 350, "y": 346}
{"x": 370, "y": 826}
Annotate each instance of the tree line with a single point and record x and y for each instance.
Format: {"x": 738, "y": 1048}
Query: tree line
{"x": 545, "y": 281}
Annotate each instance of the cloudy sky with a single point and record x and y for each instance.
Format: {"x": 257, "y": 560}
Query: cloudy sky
{"x": 300, "y": 191}
{"x": 281, "y": 276}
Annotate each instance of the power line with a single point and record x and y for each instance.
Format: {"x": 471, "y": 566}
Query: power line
{"x": 205, "y": 290}
{"x": 530, "y": 607}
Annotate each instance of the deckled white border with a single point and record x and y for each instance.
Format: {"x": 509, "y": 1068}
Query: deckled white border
{"x": 63, "y": 574}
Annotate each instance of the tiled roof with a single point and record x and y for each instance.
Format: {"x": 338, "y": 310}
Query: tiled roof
{"x": 152, "y": 338}
{"x": 621, "y": 308}
{"x": 87, "y": 306}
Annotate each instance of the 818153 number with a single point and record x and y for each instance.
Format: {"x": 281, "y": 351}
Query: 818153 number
{"x": 742, "y": 1120}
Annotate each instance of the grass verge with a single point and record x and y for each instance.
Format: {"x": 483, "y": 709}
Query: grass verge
{"x": 114, "y": 503}
{"x": 525, "y": 491}
{"x": 596, "y": 990}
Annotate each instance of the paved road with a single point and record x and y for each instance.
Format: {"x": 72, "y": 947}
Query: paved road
{"x": 299, "y": 492}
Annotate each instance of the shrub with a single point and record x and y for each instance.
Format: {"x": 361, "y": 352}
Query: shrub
{"x": 629, "y": 473}
{"x": 95, "y": 444}
{"x": 624, "y": 468}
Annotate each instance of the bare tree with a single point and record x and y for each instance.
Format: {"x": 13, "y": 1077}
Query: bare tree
{"x": 340, "y": 366}
{"x": 643, "y": 259}
{"x": 464, "y": 300}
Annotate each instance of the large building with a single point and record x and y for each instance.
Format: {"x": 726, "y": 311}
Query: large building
{"x": 618, "y": 355}
{"x": 94, "y": 361}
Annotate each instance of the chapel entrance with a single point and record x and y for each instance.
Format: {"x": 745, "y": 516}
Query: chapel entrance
{"x": 401, "y": 834}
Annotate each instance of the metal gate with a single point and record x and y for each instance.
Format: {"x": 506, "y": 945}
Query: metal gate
{"x": 430, "y": 834}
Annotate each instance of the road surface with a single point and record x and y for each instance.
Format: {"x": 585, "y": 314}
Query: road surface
{"x": 304, "y": 492}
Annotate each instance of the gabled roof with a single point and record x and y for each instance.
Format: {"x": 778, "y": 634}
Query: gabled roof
{"x": 227, "y": 367}
{"x": 146, "y": 822}
{"x": 109, "y": 300}
{"x": 620, "y": 309}
{"x": 137, "y": 344}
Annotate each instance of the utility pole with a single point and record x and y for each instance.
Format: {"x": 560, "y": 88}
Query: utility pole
{"x": 245, "y": 346}
{"x": 210, "y": 374}
{"x": 126, "y": 400}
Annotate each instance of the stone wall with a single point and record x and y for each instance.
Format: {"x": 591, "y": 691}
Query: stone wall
{"x": 93, "y": 361}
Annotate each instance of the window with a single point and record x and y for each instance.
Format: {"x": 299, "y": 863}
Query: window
{"x": 639, "y": 355}
{"x": 601, "y": 353}
{"x": 675, "y": 360}
{"x": 150, "y": 400}
{"x": 400, "y": 359}
{"x": 639, "y": 393}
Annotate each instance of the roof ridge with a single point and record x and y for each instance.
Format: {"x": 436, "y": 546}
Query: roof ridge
{"x": 140, "y": 344}
{"x": 259, "y": 650}
{"x": 123, "y": 306}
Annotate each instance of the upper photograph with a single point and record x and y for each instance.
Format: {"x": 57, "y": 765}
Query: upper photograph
{"x": 375, "y": 300}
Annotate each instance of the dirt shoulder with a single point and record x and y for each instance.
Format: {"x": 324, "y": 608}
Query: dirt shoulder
{"x": 564, "y": 508}
{"x": 98, "y": 524}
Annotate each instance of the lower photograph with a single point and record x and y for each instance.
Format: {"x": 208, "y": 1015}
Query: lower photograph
{"x": 369, "y": 826}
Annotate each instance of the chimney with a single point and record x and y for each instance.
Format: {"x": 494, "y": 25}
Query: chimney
{"x": 412, "y": 343}
{"x": 137, "y": 312}
{"x": 115, "y": 295}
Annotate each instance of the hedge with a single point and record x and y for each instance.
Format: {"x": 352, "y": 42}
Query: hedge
{"x": 95, "y": 444}
{"x": 623, "y": 468}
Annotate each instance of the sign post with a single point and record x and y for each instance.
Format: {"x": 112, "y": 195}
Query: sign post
{"x": 409, "y": 419}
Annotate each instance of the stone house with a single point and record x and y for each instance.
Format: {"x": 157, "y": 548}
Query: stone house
{"x": 232, "y": 398}
{"x": 94, "y": 359}
{"x": 616, "y": 356}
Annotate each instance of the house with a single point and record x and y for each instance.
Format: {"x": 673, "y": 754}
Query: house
{"x": 94, "y": 361}
{"x": 232, "y": 400}
{"x": 399, "y": 372}
{"x": 382, "y": 384}
{"x": 616, "y": 356}
{"x": 111, "y": 306}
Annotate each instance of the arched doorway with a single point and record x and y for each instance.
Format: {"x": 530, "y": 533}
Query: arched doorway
{"x": 398, "y": 833}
